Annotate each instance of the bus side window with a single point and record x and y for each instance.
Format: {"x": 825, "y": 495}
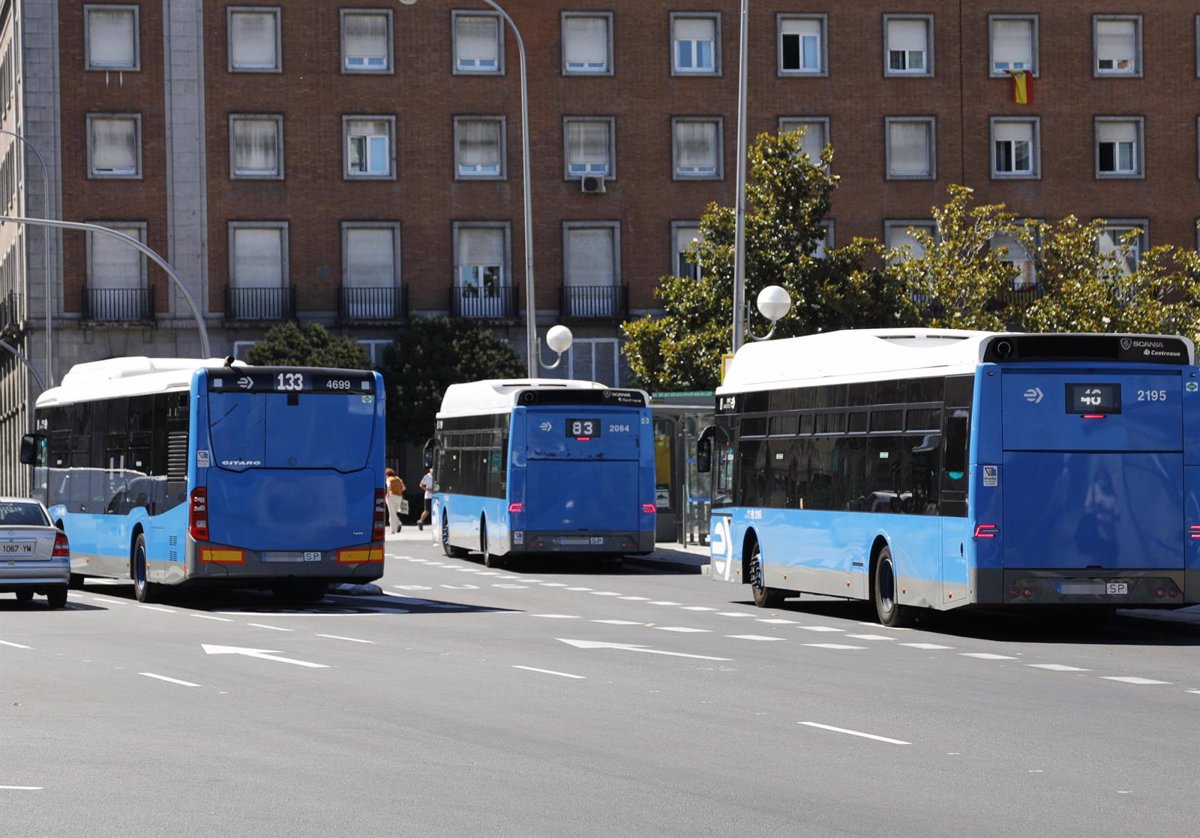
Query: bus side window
{"x": 957, "y": 429}
{"x": 723, "y": 474}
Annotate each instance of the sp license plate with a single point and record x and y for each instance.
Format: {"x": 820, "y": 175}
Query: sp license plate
{"x": 18, "y": 549}
{"x": 293, "y": 556}
{"x": 1116, "y": 588}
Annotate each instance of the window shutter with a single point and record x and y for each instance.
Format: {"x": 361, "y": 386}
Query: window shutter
{"x": 477, "y": 38}
{"x": 367, "y": 37}
{"x": 586, "y": 41}
{"x": 1021, "y": 131}
{"x": 114, "y": 264}
{"x": 907, "y": 34}
{"x": 254, "y": 40}
{"x": 114, "y": 145}
{"x": 480, "y": 246}
{"x": 1117, "y": 132}
{"x": 111, "y": 38}
{"x": 370, "y": 262}
{"x": 814, "y": 135}
{"x": 1012, "y": 42}
{"x": 590, "y": 259}
{"x": 256, "y": 146}
{"x": 1115, "y": 41}
{"x": 258, "y": 258}
{"x": 695, "y": 29}
{"x": 908, "y": 148}
{"x": 587, "y": 142}
{"x": 794, "y": 26}
{"x": 696, "y": 145}
{"x": 479, "y": 142}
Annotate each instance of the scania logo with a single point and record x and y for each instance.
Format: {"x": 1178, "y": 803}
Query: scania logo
{"x": 1126, "y": 344}
{"x": 241, "y": 462}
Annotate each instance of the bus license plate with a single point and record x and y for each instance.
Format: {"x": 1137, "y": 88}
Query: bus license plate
{"x": 1116, "y": 588}
{"x": 293, "y": 556}
{"x": 16, "y": 548}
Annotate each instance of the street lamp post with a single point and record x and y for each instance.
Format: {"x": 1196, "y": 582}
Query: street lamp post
{"x": 132, "y": 242}
{"x": 46, "y": 254}
{"x": 739, "y": 242}
{"x": 531, "y": 346}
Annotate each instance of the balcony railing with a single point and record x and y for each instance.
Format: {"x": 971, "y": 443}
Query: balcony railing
{"x": 381, "y": 304}
{"x": 260, "y": 303}
{"x": 593, "y": 302}
{"x": 118, "y": 305}
{"x": 483, "y": 302}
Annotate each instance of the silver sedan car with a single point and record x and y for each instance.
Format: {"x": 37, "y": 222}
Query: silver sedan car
{"x": 35, "y": 557}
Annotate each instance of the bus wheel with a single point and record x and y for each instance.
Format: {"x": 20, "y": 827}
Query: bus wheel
{"x": 447, "y": 548}
{"x": 883, "y": 592}
{"x": 25, "y": 595}
{"x": 143, "y": 588}
{"x": 764, "y": 597}
{"x": 488, "y": 559}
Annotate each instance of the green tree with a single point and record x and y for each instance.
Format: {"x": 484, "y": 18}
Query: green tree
{"x": 288, "y": 345}
{"x": 787, "y": 197}
{"x": 435, "y": 353}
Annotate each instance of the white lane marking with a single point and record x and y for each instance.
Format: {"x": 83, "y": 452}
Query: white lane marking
{"x": 819, "y": 628}
{"x": 762, "y": 637}
{"x": 14, "y": 645}
{"x": 887, "y": 739}
{"x": 733, "y": 614}
{"x": 928, "y": 646}
{"x": 556, "y": 616}
{"x": 606, "y": 593}
{"x": 777, "y": 621}
{"x": 348, "y": 639}
{"x": 1058, "y": 667}
{"x": 265, "y": 626}
{"x": 833, "y": 646}
{"x": 987, "y": 656}
{"x": 461, "y": 587}
{"x": 631, "y": 647}
{"x": 211, "y": 617}
{"x": 578, "y": 589}
{"x": 412, "y": 587}
{"x": 158, "y": 608}
{"x": 489, "y": 573}
{"x": 554, "y": 584}
{"x": 262, "y": 654}
{"x": 870, "y": 637}
{"x": 169, "y": 680}
{"x": 109, "y": 599}
{"x": 698, "y": 608}
{"x": 1194, "y": 692}
{"x": 870, "y": 624}
{"x": 619, "y": 622}
{"x": 663, "y": 602}
{"x": 21, "y": 788}
{"x": 636, "y": 598}
{"x": 509, "y": 586}
{"x": 1132, "y": 679}
{"x": 681, "y": 629}
{"x": 551, "y": 672}
{"x": 508, "y": 576}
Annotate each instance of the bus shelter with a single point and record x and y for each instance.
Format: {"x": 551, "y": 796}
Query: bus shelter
{"x": 681, "y": 494}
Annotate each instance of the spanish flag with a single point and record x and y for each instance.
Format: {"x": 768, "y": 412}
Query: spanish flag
{"x": 1022, "y": 87}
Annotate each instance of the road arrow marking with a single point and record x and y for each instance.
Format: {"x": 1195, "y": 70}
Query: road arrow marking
{"x": 263, "y": 654}
{"x": 630, "y": 647}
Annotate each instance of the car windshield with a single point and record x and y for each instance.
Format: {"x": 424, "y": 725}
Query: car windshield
{"x": 15, "y": 514}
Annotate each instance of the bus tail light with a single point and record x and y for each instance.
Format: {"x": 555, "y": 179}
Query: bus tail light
{"x": 986, "y": 531}
{"x": 379, "y": 522}
{"x": 62, "y": 548}
{"x": 649, "y": 509}
{"x": 516, "y": 508}
{"x": 1194, "y": 531}
{"x": 198, "y": 515}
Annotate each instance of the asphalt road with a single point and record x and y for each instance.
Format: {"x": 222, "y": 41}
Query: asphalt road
{"x": 552, "y": 701}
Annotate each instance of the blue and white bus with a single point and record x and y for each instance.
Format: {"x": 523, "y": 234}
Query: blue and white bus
{"x": 544, "y": 466}
{"x": 938, "y": 469}
{"x": 183, "y": 471}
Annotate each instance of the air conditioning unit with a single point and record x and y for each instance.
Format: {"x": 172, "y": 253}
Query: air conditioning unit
{"x": 591, "y": 184}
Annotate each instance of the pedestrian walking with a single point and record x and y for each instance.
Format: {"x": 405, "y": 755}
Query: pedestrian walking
{"x": 395, "y": 498}
{"x": 427, "y": 485}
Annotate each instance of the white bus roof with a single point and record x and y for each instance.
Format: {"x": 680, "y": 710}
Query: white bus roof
{"x": 854, "y": 355}
{"x": 499, "y": 395}
{"x": 132, "y": 376}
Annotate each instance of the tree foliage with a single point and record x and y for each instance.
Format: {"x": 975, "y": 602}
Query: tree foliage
{"x": 435, "y": 353}
{"x": 787, "y": 197}
{"x": 288, "y": 345}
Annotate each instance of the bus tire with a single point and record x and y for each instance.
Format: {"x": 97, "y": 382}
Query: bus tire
{"x": 884, "y": 592}
{"x": 764, "y": 597}
{"x": 143, "y": 589}
{"x": 447, "y": 548}
{"x": 56, "y": 597}
{"x": 488, "y": 559}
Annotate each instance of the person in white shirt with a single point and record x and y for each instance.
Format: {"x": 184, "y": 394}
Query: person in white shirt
{"x": 427, "y": 485}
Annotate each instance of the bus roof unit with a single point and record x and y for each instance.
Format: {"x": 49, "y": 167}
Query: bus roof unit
{"x": 499, "y": 395}
{"x": 125, "y": 377}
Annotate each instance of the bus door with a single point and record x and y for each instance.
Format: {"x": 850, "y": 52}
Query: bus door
{"x": 953, "y": 480}
{"x": 1093, "y": 470}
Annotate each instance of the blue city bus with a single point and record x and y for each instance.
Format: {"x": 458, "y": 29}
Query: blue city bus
{"x": 921, "y": 468}
{"x": 188, "y": 472}
{"x": 543, "y": 466}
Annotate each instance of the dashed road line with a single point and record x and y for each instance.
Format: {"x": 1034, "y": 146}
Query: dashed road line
{"x": 662, "y": 602}
{"x": 347, "y": 639}
{"x": 14, "y": 645}
{"x": 697, "y": 608}
{"x": 168, "y": 680}
{"x": 762, "y": 637}
{"x": 818, "y": 628}
{"x": 859, "y": 733}
{"x": 619, "y": 622}
{"x": 1133, "y": 679}
{"x": 833, "y": 646}
{"x": 158, "y": 608}
{"x": 509, "y": 586}
{"x": 556, "y": 616}
{"x": 682, "y": 629}
{"x": 577, "y": 588}
{"x": 551, "y": 672}
{"x": 21, "y": 788}
{"x": 733, "y": 614}
{"x": 926, "y": 646}
{"x": 606, "y": 593}
{"x": 987, "y": 656}
{"x": 272, "y": 628}
{"x": 777, "y": 621}
{"x": 870, "y": 637}
{"x": 553, "y": 584}
{"x": 1057, "y": 667}
{"x": 211, "y": 617}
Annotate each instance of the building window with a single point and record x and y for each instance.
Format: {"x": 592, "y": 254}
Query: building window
{"x": 900, "y": 236}
{"x": 1019, "y": 258}
{"x": 116, "y": 274}
{"x": 479, "y": 147}
{"x": 1013, "y": 43}
{"x": 908, "y": 45}
{"x": 587, "y": 43}
{"x": 370, "y": 270}
{"x": 910, "y": 148}
{"x": 256, "y": 145}
{"x": 1118, "y": 45}
{"x": 115, "y": 145}
{"x": 1015, "y": 152}
{"x": 258, "y": 270}
{"x": 1125, "y": 241}
{"x": 254, "y": 45}
{"x": 816, "y": 134}
{"x": 477, "y": 44}
{"x": 374, "y": 349}
{"x": 112, "y": 38}
{"x": 369, "y": 146}
{"x": 481, "y": 269}
{"x": 697, "y": 149}
{"x": 683, "y": 235}
{"x": 595, "y": 359}
{"x": 694, "y": 44}
{"x": 1118, "y": 147}
{"x": 589, "y": 147}
{"x": 366, "y": 41}
{"x": 591, "y": 273}
{"x": 802, "y": 45}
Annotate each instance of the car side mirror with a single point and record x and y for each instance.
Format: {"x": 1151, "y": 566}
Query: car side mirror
{"x": 30, "y": 444}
